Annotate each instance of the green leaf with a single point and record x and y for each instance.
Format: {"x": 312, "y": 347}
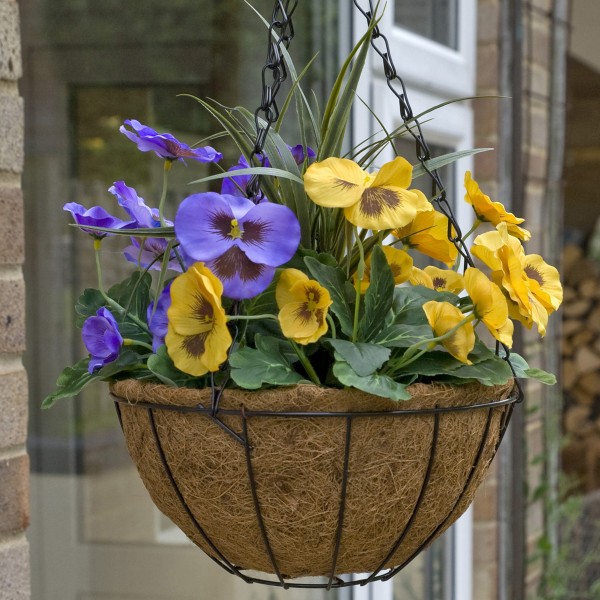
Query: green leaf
{"x": 334, "y": 280}
{"x": 70, "y": 382}
{"x": 379, "y": 296}
{"x": 163, "y": 368}
{"x": 87, "y": 305}
{"x": 524, "y": 371}
{"x": 407, "y": 307}
{"x": 402, "y": 335}
{"x": 133, "y": 294}
{"x": 363, "y": 358}
{"x": 379, "y": 385}
{"x": 163, "y": 232}
{"x": 339, "y": 106}
{"x": 445, "y": 159}
{"x": 252, "y": 171}
{"x": 251, "y": 368}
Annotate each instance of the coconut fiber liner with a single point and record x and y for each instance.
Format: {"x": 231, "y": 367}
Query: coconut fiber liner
{"x": 298, "y": 467}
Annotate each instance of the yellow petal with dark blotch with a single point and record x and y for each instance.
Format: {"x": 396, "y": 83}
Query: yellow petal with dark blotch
{"x": 397, "y": 173}
{"x": 192, "y": 304}
{"x": 445, "y": 280}
{"x": 400, "y": 262}
{"x": 297, "y": 321}
{"x": 419, "y": 277}
{"x": 335, "y": 182}
{"x": 547, "y": 277}
{"x": 185, "y": 352}
{"x": 217, "y": 344}
{"x": 289, "y": 287}
{"x": 382, "y": 208}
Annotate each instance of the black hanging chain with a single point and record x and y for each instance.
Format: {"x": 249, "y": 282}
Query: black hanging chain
{"x": 274, "y": 73}
{"x": 380, "y": 44}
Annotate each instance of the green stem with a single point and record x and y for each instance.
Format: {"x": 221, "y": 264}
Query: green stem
{"x": 360, "y": 272}
{"x": 163, "y": 197}
{"x": 471, "y": 231}
{"x": 130, "y": 342}
{"x": 306, "y": 363}
{"x": 251, "y": 317}
{"x": 332, "y": 326}
{"x": 97, "y": 246}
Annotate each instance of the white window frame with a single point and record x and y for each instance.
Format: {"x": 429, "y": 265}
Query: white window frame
{"x": 433, "y": 73}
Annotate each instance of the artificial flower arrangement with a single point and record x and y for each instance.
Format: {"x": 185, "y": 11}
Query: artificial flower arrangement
{"x": 308, "y": 278}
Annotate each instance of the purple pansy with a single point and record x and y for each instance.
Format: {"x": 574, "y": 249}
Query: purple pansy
{"x": 101, "y": 338}
{"x": 165, "y": 145}
{"x": 300, "y": 153}
{"x": 150, "y": 254}
{"x": 240, "y": 241}
{"x": 95, "y": 217}
{"x": 134, "y": 206}
{"x": 157, "y": 319}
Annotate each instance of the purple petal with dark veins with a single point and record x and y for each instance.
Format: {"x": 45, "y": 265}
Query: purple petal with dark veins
{"x": 135, "y": 206}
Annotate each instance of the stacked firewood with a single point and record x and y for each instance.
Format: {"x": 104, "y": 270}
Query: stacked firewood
{"x": 581, "y": 366}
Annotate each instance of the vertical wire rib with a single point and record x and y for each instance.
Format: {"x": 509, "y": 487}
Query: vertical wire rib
{"x": 225, "y": 564}
{"x": 482, "y": 445}
{"x": 415, "y": 512}
{"x": 257, "y": 509}
{"x": 119, "y": 415}
{"x": 340, "y": 523}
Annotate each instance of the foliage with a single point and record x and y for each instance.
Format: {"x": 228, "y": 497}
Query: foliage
{"x": 310, "y": 277}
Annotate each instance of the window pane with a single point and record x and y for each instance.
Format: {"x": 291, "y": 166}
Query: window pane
{"x": 433, "y": 19}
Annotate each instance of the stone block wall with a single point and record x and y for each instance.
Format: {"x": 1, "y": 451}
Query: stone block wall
{"x": 14, "y": 463}
{"x": 499, "y": 573}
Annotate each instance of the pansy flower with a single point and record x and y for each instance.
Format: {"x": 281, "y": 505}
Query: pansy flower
{"x": 492, "y": 212}
{"x": 489, "y": 305}
{"x": 145, "y": 252}
{"x": 376, "y": 201}
{"x": 156, "y": 316}
{"x": 531, "y": 285}
{"x": 428, "y": 233}
{"x": 134, "y": 205}
{"x": 95, "y": 217}
{"x": 303, "y": 305}
{"x": 440, "y": 280}
{"x": 442, "y": 318}
{"x": 240, "y": 241}
{"x": 102, "y": 338}
{"x": 164, "y": 145}
{"x": 197, "y": 336}
{"x": 400, "y": 263}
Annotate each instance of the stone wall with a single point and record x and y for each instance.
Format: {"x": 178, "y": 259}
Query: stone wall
{"x": 14, "y": 463}
{"x": 503, "y": 568}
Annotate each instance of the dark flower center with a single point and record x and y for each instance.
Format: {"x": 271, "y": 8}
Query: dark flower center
{"x": 534, "y": 274}
{"x": 375, "y": 200}
{"x": 235, "y": 262}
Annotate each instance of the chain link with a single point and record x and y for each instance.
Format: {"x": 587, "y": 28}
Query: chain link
{"x": 274, "y": 73}
{"x": 381, "y": 46}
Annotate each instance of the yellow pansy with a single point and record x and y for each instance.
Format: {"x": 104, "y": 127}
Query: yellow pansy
{"x": 419, "y": 277}
{"x": 428, "y": 233}
{"x": 492, "y": 212}
{"x": 445, "y": 280}
{"x": 374, "y": 201}
{"x": 532, "y": 286}
{"x": 442, "y": 317}
{"x": 489, "y": 305}
{"x": 400, "y": 263}
{"x": 197, "y": 337}
{"x": 303, "y": 305}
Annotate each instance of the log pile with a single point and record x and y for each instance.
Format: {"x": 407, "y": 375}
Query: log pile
{"x": 581, "y": 367}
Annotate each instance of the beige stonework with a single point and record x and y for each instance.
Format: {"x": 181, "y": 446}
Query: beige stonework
{"x": 14, "y": 462}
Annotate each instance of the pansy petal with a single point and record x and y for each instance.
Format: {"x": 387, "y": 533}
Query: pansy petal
{"x": 290, "y": 287}
{"x": 216, "y": 346}
{"x": 203, "y": 225}
{"x": 186, "y": 352}
{"x": 241, "y": 277}
{"x": 271, "y": 234}
{"x": 297, "y": 321}
{"x": 397, "y": 173}
{"x": 382, "y": 208}
{"x": 335, "y": 182}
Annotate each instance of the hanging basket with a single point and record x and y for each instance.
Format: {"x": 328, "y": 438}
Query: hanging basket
{"x": 309, "y": 481}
